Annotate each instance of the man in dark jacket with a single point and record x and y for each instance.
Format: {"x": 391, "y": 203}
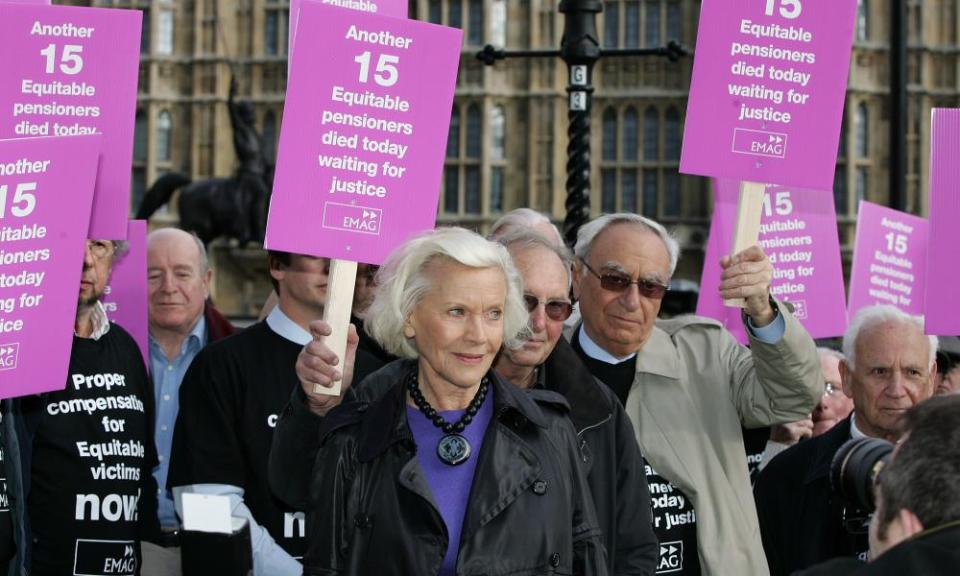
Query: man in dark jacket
{"x": 916, "y": 528}
{"x": 181, "y": 322}
{"x": 888, "y": 368}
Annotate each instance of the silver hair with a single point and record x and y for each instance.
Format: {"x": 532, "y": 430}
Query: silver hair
{"x": 521, "y": 218}
{"x": 589, "y": 232}
{"x": 527, "y": 238}
{"x": 871, "y": 316}
{"x": 404, "y": 282}
{"x": 829, "y": 353}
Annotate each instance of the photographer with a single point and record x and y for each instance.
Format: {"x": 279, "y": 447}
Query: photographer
{"x": 916, "y": 528}
{"x": 888, "y": 368}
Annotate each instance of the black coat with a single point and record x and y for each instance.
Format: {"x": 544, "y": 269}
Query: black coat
{"x": 614, "y": 466}
{"x": 613, "y": 462}
{"x": 932, "y": 553}
{"x": 801, "y": 519}
{"x": 529, "y": 512}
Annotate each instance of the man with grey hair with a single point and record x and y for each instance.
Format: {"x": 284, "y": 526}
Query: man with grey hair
{"x": 525, "y": 218}
{"x": 181, "y": 322}
{"x": 888, "y": 368}
{"x": 688, "y": 386}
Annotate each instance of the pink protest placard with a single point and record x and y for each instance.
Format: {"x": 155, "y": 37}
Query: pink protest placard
{"x": 943, "y": 275}
{"x": 392, "y": 8}
{"x": 798, "y": 232}
{"x": 889, "y": 259}
{"x": 766, "y": 97}
{"x": 364, "y": 132}
{"x": 126, "y": 296}
{"x": 69, "y": 71}
{"x": 46, "y": 190}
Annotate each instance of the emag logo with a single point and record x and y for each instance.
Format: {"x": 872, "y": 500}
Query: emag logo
{"x": 9, "y": 355}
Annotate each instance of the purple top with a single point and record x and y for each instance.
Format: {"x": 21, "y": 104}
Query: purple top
{"x": 450, "y": 484}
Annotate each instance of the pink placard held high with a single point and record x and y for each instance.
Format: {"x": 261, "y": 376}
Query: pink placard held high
{"x": 766, "y": 97}
{"x": 364, "y": 134}
{"x": 392, "y": 8}
{"x": 798, "y": 231}
{"x": 126, "y": 295}
{"x": 46, "y": 190}
{"x": 943, "y": 274}
{"x": 70, "y": 71}
{"x": 889, "y": 260}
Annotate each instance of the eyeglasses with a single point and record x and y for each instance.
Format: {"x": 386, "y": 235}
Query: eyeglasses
{"x": 620, "y": 283}
{"x": 829, "y": 389}
{"x": 100, "y": 249}
{"x": 557, "y": 310}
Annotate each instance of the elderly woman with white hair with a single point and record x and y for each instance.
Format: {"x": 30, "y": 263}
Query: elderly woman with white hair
{"x": 440, "y": 467}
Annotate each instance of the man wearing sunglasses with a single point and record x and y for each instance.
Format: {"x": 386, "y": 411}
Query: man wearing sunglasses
{"x": 688, "y": 386}
{"x": 614, "y": 465}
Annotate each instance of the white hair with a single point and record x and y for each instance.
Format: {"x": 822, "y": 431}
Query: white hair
{"x": 870, "y": 316}
{"x": 592, "y": 229}
{"x": 825, "y": 352}
{"x": 521, "y": 218}
{"x": 404, "y": 282}
{"x": 526, "y": 239}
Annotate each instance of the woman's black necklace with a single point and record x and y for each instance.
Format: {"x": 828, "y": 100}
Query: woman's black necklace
{"x": 453, "y": 448}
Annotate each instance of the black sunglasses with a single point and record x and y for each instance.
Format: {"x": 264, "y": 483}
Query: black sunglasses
{"x": 557, "y": 310}
{"x": 620, "y": 283}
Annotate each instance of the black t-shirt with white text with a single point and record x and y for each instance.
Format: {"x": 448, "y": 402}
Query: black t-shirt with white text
{"x": 230, "y": 400}
{"x": 8, "y": 547}
{"x": 92, "y": 496}
{"x": 674, "y": 518}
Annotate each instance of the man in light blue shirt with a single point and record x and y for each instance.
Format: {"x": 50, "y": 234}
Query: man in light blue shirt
{"x": 181, "y": 324}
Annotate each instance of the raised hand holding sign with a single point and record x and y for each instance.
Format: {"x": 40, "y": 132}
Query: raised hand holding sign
{"x": 362, "y": 144}
{"x": 766, "y": 98}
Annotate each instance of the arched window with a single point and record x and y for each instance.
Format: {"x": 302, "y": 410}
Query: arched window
{"x": 611, "y": 24}
{"x": 140, "y": 136}
{"x": 497, "y": 156}
{"x": 271, "y": 33}
{"x": 610, "y": 134}
{"x": 497, "y": 128}
{"x": 475, "y": 23}
{"x": 651, "y": 134}
{"x": 455, "y": 14}
{"x": 472, "y": 172}
{"x": 453, "y": 136}
{"x": 451, "y": 172}
{"x": 863, "y": 131}
{"x": 672, "y": 135}
{"x": 863, "y": 21}
{"x": 498, "y": 23}
{"x": 435, "y": 11}
{"x": 165, "y": 33}
{"x": 674, "y": 22}
{"x": 631, "y": 27}
{"x": 652, "y": 25}
{"x": 270, "y": 135}
{"x": 164, "y": 127}
{"x": 474, "y": 127}
{"x": 631, "y": 132}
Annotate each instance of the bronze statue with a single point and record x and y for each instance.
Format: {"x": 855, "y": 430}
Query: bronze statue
{"x": 235, "y": 207}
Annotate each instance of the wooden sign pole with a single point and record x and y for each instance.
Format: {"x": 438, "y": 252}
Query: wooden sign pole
{"x": 747, "y": 231}
{"x": 336, "y": 313}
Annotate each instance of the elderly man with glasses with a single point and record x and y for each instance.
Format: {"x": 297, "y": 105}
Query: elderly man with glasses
{"x": 87, "y": 451}
{"x": 688, "y": 386}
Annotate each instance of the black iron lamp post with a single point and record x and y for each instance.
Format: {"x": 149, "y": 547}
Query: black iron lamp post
{"x": 580, "y": 49}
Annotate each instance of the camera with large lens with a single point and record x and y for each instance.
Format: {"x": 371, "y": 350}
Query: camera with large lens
{"x": 853, "y": 475}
